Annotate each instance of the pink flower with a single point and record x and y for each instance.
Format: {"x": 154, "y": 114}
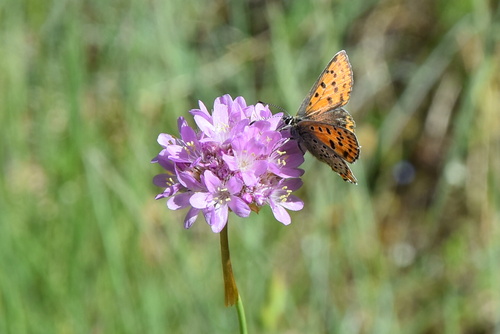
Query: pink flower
{"x": 237, "y": 161}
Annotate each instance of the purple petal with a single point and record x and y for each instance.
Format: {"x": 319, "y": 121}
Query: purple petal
{"x": 285, "y": 172}
{"x": 275, "y": 120}
{"x": 292, "y": 184}
{"x": 201, "y": 200}
{"x": 202, "y": 112}
{"x": 236, "y": 113}
{"x": 224, "y": 99}
{"x": 249, "y": 178}
{"x": 239, "y": 207}
{"x": 217, "y": 218}
{"x": 203, "y": 108}
{"x": 189, "y": 181}
{"x": 162, "y": 195}
{"x": 239, "y": 127}
{"x": 165, "y": 162}
{"x": 179, "y": 201}
{"x": 231, "y": 161}
{"x": 234, "y": 185}
{"x": 204, "y": 125}
{"x": 212, "y": 182}
{"x": 170, "y": 185}
{"x": 188, "y": 134}
{"x": 220, "y": 115}
{"x": 271, "y": 138}
{"x": 293, "y": 160}
{"x": 260, "y": 126}
{"x": 177, "y": 153}
{"x": 261, "y": 112}
{"x": 280, "y": 214}
{"x": 240, "y": 101}
{"x": 164, "y": 180}
{"x": 191, "y": 217}
{"x": 181, "y": 122}
{"x": 165, "y": 139}
{"x": 260, "y": 167}
{"x": 293, "y": 203}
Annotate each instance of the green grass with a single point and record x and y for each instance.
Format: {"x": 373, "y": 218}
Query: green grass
{"x": 86, "y": 87}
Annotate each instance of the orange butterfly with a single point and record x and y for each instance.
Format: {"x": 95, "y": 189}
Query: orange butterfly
{"x": 322, "y": 125}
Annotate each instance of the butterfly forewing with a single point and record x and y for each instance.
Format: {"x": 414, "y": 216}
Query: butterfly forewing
{"x": 332, "y": 89}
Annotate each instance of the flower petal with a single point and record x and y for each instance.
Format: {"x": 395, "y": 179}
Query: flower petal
{"x": 217, "y": 218}
{"x": 179, "y": 201}
{"x": 191, "y": 217}
{"x": 211, "y": 181}
{"x": 201, "y": 200}
{"x": 165, "y": 139}
{"x": 280, "y": 214}
{"x": 293, "y": 203}
{"x": 239, "y": 207}
{"x": 234, "y": 185}
{"x": 204, "y": 124}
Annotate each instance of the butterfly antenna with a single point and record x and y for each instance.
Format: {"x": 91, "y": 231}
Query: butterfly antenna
{"x": 275, "y": 107}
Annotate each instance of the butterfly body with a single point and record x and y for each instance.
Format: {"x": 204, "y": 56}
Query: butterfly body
{"x": 322, "y": 126}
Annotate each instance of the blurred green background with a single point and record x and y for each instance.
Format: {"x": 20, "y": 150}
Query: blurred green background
{"x": 87, "y": 86}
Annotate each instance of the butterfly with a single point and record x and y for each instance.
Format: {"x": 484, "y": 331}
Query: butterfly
{"x": 322, "y": 126}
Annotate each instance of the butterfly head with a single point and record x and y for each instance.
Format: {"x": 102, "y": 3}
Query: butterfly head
{"x": 289, "y": 121}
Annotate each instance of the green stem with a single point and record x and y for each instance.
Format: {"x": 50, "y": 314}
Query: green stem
{"x": 231, "y": 295}
{"x": 241, "y": 316}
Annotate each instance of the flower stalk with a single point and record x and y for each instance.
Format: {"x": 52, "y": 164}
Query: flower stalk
{"x": 230, "y": 290}
{"x": 241, "y": 316}
{"x": 231, "y": 295}
{"x": 238, "y": 160}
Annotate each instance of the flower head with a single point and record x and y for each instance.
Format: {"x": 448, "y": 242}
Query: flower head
{"x": 238, "y": 161}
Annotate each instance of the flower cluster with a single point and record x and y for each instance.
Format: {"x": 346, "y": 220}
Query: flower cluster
{"x": 238, "y": 161}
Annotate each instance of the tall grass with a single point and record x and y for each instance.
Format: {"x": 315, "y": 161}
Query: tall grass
{"x": 86, "y": 87}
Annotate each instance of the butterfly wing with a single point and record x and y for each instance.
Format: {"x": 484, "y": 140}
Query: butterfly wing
{"x": 324, "y": 153}
{"x": 332, "y": 89}
{"x": 338, "y": 117}
{"x": 322, "y": 125}
{"x": 342, "y": 142}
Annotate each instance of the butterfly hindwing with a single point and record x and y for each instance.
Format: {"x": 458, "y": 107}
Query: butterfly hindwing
{"x": 340, "y": 167}
{"x": 340, "y": 140}
{"x": 323, "y": 152}
{"x": 332, "y": 89}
